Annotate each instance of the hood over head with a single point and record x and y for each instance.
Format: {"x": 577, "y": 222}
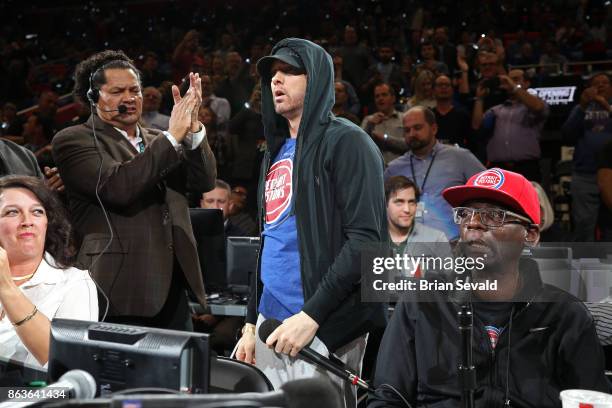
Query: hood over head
{"x": 319, "y": 97}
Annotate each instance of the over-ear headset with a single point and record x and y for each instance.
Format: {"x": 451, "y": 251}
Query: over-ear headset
{"x": 93, "y": 93}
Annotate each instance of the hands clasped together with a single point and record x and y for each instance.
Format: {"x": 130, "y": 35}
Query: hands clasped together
{"x": 184, "y": 116}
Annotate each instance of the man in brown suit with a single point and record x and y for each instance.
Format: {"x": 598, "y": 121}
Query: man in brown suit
{"x": 127, "y": 188}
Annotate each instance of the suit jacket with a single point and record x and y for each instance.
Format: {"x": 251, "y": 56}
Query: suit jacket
{"x": 144, "y": 196}
{"x": 15, "y": 159}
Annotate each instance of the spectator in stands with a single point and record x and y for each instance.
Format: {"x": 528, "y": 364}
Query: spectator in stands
{"x": 515, "y": 126}
{"x": 47, "y": 109}
{"x": 551, "y": 55}
{"x": 498, "y": 215}
{"x": 527, "y": 55}
{"x": 218, "y": 74}
{"x": 385, "y": 69}
{"x": 184, "y": 54}
{"x": 513, "y": 52}
{"x": 239, "y": 211}
{"x": 466, "y": 47}
{"x": 341, "y": 102}
{"x": 149, "y": 70}
{"x": 385, "y": 125}
{"x": 454, "y": 125}
{"x": 433, "y": 167}
{"x": 246, "y": 134}
{"x": 217, "y": 140}
{"x": 356, "y": 57}
{"x": 143, "y": 182}
{"x": 236, "y": 88}
{"x": 604, "y": 181}
{"x": 407, "y": 236}
{"x": 151, "y": 102}
{"x": 407, "y": 69}
{"x": 490, "y": 43}
{"x": 37, "y": 279}
{"x": 353, "y": 104}
{"x": 423, "y": 90}
{"x": 36, "y": 133}
{"x": 220, "y": 106}
{"x": 219, "y": 198}
{"x": 589, "y": 127}
{"x": 446, "y": 51}
{"x": 489, "y": 67}
{"x": 429, "y": 59}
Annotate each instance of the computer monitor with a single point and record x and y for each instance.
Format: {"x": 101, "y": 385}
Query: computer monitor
{"x": 207, "y": 225}
{"x": 123, "y": 357}
{"x": 242, "y": 255}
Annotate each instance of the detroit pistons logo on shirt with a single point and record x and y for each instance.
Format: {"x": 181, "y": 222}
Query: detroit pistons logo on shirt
{"x": 492, "y": 178}
{"x": 278, "y": 189}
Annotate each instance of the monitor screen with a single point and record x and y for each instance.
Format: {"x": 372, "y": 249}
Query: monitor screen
{"x": 242, "y": 255}
{"x": 123, "y": 357}
{"x": 207, "y": 227}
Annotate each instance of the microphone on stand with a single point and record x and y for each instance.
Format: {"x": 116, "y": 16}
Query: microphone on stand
{"x": 311, "y": 356}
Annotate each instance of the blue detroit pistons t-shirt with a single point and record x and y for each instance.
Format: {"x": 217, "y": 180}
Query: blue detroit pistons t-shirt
{"x": 282, "y": 296}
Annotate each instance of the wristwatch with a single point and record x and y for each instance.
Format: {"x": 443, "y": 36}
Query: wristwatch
{"x": 249, "y": 327}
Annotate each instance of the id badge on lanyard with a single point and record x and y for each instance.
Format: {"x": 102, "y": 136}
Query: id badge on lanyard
{"x": 421, "y": 209}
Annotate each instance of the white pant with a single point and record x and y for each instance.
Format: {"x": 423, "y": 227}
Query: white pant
{"x": 281, "y": 368}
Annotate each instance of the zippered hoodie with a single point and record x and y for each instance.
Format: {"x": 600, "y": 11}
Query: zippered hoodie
{"x": 338, "y": 200}
{"x": 549, "y": 345}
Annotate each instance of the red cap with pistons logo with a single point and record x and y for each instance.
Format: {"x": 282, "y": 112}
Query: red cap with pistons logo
{"x": 501, "y": 186}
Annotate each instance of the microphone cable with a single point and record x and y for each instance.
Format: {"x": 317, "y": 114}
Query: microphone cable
{"x": 106, "y": 217}
{"x": 399, "y": 394}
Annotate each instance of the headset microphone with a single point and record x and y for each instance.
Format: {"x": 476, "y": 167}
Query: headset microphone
{"x": 121, "y": 109}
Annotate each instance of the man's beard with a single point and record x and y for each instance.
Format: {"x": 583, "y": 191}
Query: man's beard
{"x": 416, "y": 144}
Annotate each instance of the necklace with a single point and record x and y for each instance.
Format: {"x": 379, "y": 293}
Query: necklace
{"x": 20, "y": 278}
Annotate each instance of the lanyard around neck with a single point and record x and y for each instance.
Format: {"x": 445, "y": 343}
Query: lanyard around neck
{"x": 433, "y": 157}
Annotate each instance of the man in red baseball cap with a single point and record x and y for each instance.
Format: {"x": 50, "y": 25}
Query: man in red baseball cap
{"x": 529, "y": 341}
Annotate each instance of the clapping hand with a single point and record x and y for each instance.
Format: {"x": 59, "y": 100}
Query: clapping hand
{"x": 184, "y": 116}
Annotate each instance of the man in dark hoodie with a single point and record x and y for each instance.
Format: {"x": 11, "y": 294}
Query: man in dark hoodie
{"x": 529, "y": 341}
{"x": 322, "y": 200}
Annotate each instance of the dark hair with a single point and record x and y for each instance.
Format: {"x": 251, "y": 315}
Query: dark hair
{"x": 428, "y": 42}
{"x": 430, "y": 116}
{"x": 597, "y": 74}
{"x": 94, "y": 68}
{"x": 388, "y": 85}
{"x": 59, "y": 240}
{"x": 396, "y": 183}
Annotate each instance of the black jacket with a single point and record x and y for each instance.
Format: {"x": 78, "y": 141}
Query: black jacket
{"x": 551, "y": 345}
{"x": 338, "y": 198}
{"x": 15, "y": 159}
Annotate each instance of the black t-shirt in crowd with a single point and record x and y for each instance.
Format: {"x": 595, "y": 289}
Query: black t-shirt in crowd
{"x": 454, "y": 127}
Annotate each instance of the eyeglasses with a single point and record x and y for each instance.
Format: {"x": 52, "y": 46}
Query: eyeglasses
{"x": 490, "y": 217}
